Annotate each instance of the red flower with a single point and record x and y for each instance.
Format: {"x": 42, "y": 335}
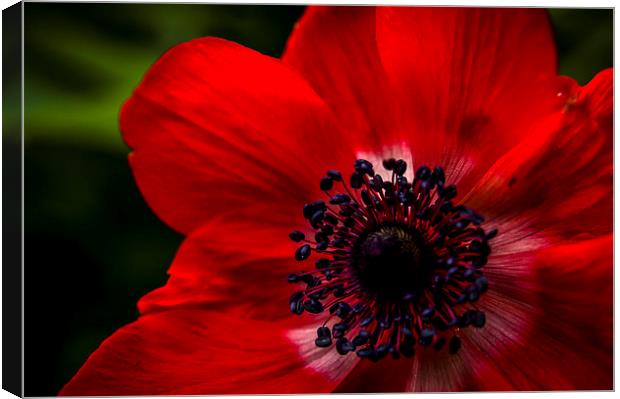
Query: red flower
{"x": 229, "y": 144}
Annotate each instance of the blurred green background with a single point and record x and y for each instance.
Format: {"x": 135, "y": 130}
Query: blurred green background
{"x": 93, "y": 247}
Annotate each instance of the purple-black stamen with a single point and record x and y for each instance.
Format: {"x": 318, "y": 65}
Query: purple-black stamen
{"x": 327, "y": 183}
{"x": 297, "y": 236}
{"x": 398, "y": 263}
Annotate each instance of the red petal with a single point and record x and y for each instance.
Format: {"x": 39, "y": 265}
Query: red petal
{"x": 560, "y": 179}
{"x": 471, "y": 81}
{"x": 598, "y": 94}
{"x": 427, "y": 371}
{"x": 194, "y": 352}
{"x": 233, "y": 261}
{"x": 388, "y": 375}
{"x": 335, "y": 49}
{"x": 217, "y": 127}
{"x": 570, "y": 344}
{"x": 576, "y": 291}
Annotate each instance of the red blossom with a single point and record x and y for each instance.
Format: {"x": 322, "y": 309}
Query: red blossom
{"x": 229, "y": 143}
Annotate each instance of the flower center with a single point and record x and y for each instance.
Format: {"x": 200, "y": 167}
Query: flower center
{"x": 399, "y": 264}
{"x": 390, "y": 262}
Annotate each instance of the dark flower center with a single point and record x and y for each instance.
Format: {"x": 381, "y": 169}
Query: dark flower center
{"x": 391, "y": 262}
{"x": 399, "y": 264}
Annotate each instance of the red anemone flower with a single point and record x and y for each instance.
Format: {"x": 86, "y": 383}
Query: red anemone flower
{"x": 409, "y": 284}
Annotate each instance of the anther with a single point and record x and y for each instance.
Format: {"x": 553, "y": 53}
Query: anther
{"x": 362, "y": 166}
{"x": 334, "y": 174}
{"x": 389, "y": 164}
{"x": 339, "y": 199}
{"x": 400, "y": 167}
{"x": 323, "y": 342}
{"x": 302, "y": 252}
{"x": 297, "y": 236}
{"x": 423, "y": 173}
{"x": 356, "y": 180}
{"x": 327, "y": 183}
